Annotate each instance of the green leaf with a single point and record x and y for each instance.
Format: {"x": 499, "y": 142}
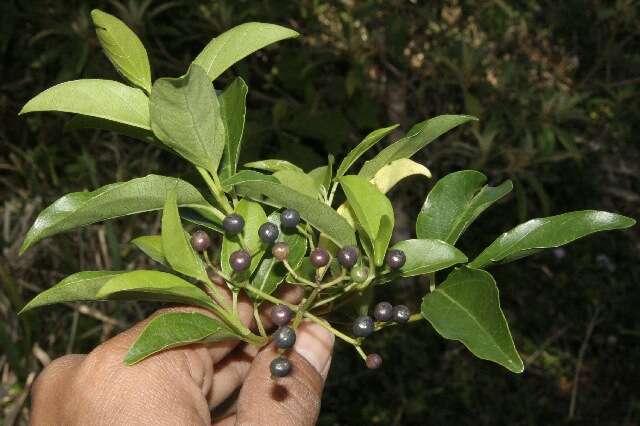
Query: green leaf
{"x": 173, "y": 329}
{"x": 304, "y": 270}
{"x": 318, "y": 214}
{"x": 190, "y": 215}
{"x": 254, "y": 216}
{"x": 245, "y": 176}
{"x": 79, "y": 286}
{"x": 272, "y": 165}
{"x": 111, "y": 201}
{"x": 417, "y": 138}
{"x": 237, "y": 43}
{"x": 105, "y": 99}
{"x": 271, "y": 272}
{"x": 176, "y": 245}
{"x": 298, "y": 181}
{"x": 185, "y": 116}
{"x": 151, "y": 245}
{"x": 455, "y": 202}
{"x": 373, "y": 212}
{"x": 79, "y": 122}
{"x": 369, "y": 141}
{"x": 553, "y": 231}
{"x": 388, "y": 176}
{"x": 153, "y": 286}
{"x": 123, "y": 48}
{"x": 426, "y": 256}
{"x": 233, "y": 109}
{"x": 466, "y": 307}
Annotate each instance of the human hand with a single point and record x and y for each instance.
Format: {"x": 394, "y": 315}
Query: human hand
{"x": 183, "y": 385}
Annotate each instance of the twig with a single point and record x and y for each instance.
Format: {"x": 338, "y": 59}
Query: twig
{"x": 583, "y": 350}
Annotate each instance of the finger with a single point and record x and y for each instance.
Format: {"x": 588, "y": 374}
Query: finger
{"x": 230, "y": 373}
{"x": 45, "y": 394}
{"x": 294, "y": 399}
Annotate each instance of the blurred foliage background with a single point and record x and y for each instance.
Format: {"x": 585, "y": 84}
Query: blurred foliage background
{"x": 556, "y": 85}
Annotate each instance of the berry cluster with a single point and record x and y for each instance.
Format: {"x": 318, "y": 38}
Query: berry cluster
{"x": 383, "y": 312}
{"x": 348, "y": 258}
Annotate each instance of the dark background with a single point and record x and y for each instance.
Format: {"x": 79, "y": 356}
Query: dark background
{"x": 556, "y": 85}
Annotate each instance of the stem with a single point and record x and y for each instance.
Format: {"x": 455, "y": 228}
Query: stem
{"x": 333, "y": 192}
{"x": 361, "y": 352}
{"x": 432, "y": 281}
{"x": 340, "y": 278}
{"x": 216, "y": 190}
{"x": 256, "y": 315}
{"x": 296, "y": 276}
{"x": 304, "y": 306}
{"x": 412, "y": 318}
{"x": 234, "y": 296}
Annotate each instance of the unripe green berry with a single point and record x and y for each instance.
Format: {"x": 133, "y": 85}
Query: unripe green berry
{"x": 359, "y": 273}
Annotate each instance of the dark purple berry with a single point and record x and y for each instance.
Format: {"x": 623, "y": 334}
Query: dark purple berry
{"x": 285, "y": 337}
{"x": 280, "y": 251}
{"x": 347, "y": 256}
{"x": 233, "y": 224}
{"x": 400, "y": 314}
{"x": 319, "y": 257}
{"x": 383, "y": 311}
{"x": 359, "y": 274}
{"x": 363, "y": 326}
{"x": 200, "y": 241}
{"x": 280, "y": 367}
{"x": 281, "y": 315}
{"x": 215, "y": 278}
{"x": 374, "y": 361}
{"x": 240, "y": 260}
{"x": 289, "y": 218}
{"x": 268, "y": 232}
{"x": 395, "y": 259}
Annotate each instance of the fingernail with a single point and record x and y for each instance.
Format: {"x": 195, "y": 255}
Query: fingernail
{"x": 315, "y": 344}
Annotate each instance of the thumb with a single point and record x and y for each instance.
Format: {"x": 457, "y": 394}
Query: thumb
{"x": 291, "y": 400}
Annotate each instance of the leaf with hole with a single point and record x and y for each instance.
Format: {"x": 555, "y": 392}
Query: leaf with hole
{"x": 466, "y": 307}
{"x": 455, "y": 202}
{"x": 553, "y": 231}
